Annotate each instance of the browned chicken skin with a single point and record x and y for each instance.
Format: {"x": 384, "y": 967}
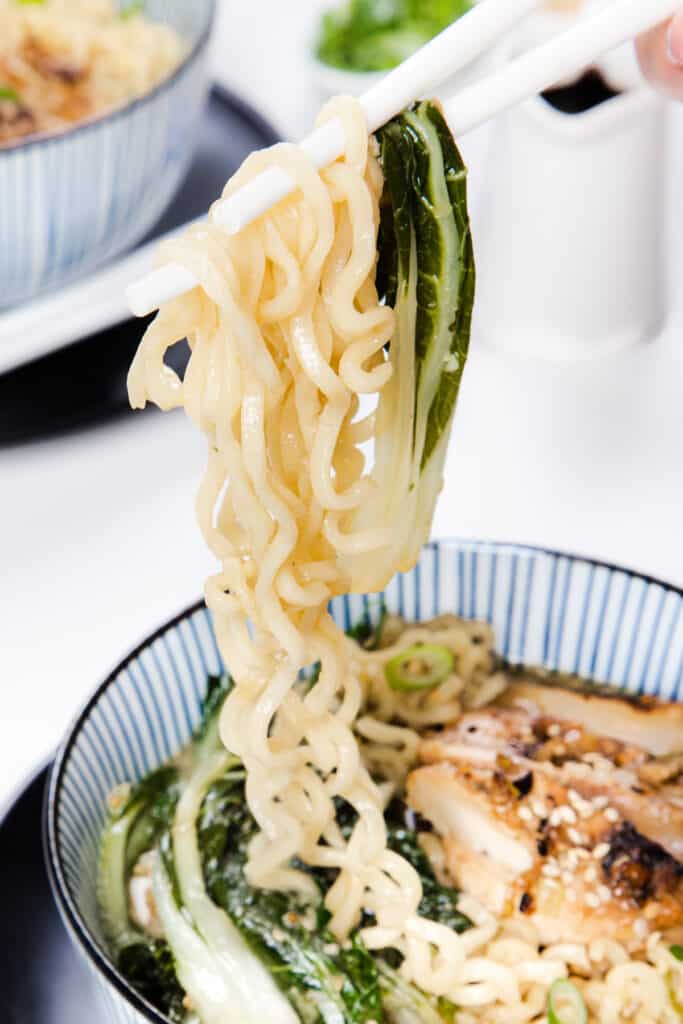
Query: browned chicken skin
{"x": 581, "y": 833}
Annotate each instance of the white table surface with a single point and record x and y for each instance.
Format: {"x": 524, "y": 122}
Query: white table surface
{"x": 98, "y": 543}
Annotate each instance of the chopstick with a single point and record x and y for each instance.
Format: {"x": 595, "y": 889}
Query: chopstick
{"x": 557, "y": 59}
{"x": 454, "y": 48}
{"x": 565, "y": 55}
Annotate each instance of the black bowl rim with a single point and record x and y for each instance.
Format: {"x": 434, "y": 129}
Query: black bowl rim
{"x": 118, "y": 113}
{"x": 60, "y": 890}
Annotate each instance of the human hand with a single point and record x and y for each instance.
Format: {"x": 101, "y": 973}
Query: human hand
{"x": 660, "y": 52}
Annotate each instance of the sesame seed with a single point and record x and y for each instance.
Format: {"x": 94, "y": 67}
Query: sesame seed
{"x": 525, "y": 814}
{"x": 601, "y": 851}
{"x": 591, "y": 874}
{"x": 539, "y": 808}
{"x": 604, "y": 893}
{"x": 554, "y": 729}
{"x": 572, "y": 736}
{"x": 331, "y": 948}
{"x": 573, "y": 859}
{"x": 551, "y": 870}
{"x": 600, "y": 802}
{"x": 641, "y": 927}
{"x": 582, "y": 854}
{"x": 569, "y": 815}
{"x": 574, "y": 798}
{"x": 612, "y": 814}
{"x": 556, "y": 817}
{"x": 574, "y": 837}
{"x": 591, "y": 900}
{"x": 567, "y": 877}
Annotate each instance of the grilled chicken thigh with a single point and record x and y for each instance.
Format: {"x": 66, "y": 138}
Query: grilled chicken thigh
{"x": 578, "y": 831}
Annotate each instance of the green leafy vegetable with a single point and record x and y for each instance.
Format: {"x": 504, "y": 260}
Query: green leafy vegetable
{"x": 249, "y": 992}
{"x": 375, "y": 35}
{"x": 406, "y": 1004}
{"x": 426, "y": 272}
{"x": 566, "y": 1004}
{"x": 419, "y": 667}
{"x": 677, "y": 952}
{"x": 150, "y": 968}
{"x": 368, "y": 634}
{"x": 132, "y": 829}
{"x": 9, "y": 95}
{"x": 324, "y": 981}
{"x": 207, "y": 739}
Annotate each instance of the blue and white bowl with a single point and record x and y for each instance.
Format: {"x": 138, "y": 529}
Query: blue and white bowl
{"x": 548, "y": 609}
{"x": 73, "y": 201}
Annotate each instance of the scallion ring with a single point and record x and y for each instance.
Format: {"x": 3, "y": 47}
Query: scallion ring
{"x": 566, "y": 1004}
{"x": 419, "y": 667}
{"x": 8, "y": 94}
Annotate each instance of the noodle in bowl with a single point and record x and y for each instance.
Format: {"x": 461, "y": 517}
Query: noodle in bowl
{"x": 102, "y": 167}
{"x": 544, "y": 609}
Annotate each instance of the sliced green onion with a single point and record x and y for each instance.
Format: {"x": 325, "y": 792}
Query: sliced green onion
{"x": 565, "y": 1004}
{"x": 677, "y": 952}
{"x": 131, "y": 9}
{"x": 419, "y": 668}
{"x": 9, "y": 94}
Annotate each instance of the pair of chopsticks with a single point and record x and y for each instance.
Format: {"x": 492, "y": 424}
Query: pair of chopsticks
{"x": 565, "y": 55}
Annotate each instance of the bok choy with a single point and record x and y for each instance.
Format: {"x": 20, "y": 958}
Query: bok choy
{"x": 426, "y": 272}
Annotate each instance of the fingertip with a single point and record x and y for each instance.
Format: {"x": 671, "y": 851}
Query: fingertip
{"x": 674, "y": 41}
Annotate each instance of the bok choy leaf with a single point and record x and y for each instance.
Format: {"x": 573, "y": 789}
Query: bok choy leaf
{"x": 426, "y": 272}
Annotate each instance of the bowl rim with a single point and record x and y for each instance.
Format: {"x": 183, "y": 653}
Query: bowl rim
{"x": 118, "y": 113}
{"x": 70, "y": 914}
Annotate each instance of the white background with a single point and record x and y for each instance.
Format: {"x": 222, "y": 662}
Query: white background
{"x": 97, "y": 540}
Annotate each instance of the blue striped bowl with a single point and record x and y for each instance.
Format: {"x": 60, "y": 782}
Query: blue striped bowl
{"x": 547, "y": 609}
{"x": 73, "y": 201}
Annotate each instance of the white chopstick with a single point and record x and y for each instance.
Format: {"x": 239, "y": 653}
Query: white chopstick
{"x": 567, "y": 54}
{"x": 557, "y": 59}
{"x": 454, "y": 48}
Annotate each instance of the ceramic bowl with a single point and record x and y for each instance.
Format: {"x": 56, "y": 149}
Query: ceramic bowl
{"x": 71, "y": 202}
{"x": 546, "y": 608}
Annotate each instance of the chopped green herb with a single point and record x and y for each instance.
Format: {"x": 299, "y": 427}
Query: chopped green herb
{"x": 677, "y": 952}
{"x": 375, "y": 35}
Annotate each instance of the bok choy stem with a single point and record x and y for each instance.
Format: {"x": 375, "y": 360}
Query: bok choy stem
{"x": 252, "y": 995}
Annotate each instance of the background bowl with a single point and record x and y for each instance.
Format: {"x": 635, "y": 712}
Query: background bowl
{"x": 547, "y": 609}
{"x": 73, "y": 201}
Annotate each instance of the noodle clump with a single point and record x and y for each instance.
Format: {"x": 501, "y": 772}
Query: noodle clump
{"x": 287, "y": 333}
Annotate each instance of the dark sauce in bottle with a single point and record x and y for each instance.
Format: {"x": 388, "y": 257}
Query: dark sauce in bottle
{"x": 587, "y": 92}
